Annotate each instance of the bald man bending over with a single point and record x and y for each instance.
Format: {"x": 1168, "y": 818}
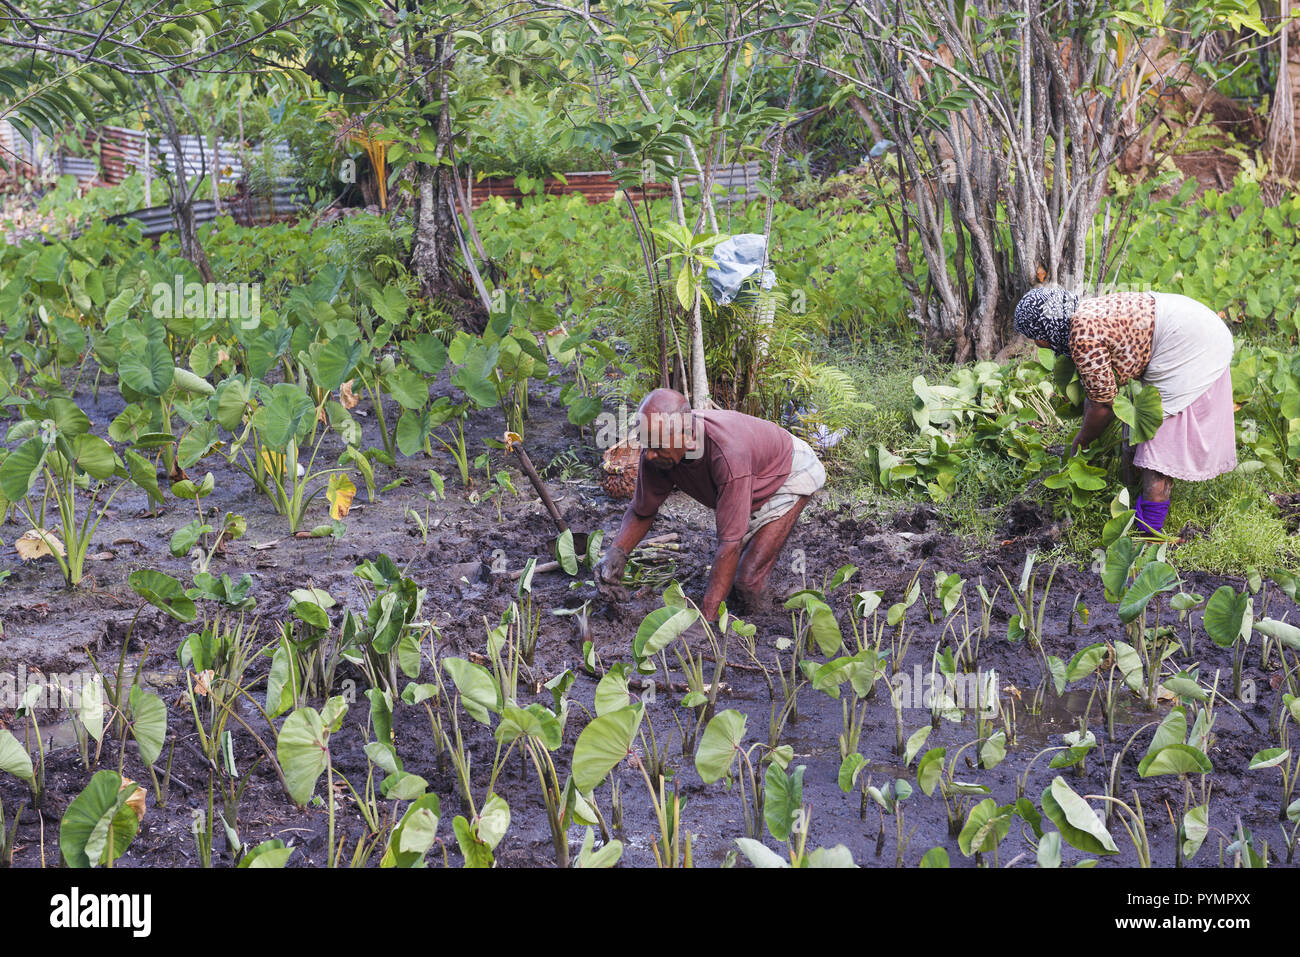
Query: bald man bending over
{"x": 755, "y": 475}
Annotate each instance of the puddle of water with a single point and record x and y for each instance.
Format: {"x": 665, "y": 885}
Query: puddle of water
{"x": 1057, "y": 715}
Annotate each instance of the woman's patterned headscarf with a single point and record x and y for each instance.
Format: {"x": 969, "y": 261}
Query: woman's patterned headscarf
{"x": 1044, "y": 313}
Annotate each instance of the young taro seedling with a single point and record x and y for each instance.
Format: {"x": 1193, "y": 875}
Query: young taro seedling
{"x": 1132, "y": 580}
{"x": 1174, "y": 751}
{"x": 931, "y": 772}
{"x": 720, "y": 746}
{"x": 861, "y": 671}
{"x": 1229, "y": 621}
{"x": 16, "y": 759}
{"x": 890, "y": 800}
{"x": 789, "y": 820}
{"x": 191, "y": 537}
{"x": 392, "y": 632}
{"x": 1283, "y": 757}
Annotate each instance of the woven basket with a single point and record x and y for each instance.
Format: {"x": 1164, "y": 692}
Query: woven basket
{"x": 618, "y": 469}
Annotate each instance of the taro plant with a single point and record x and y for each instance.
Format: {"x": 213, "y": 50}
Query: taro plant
{"x": 16, "y": 760}
{"x": 987, "y": 824}
{"x": 1132, "y": 580}
{"x": 82, "y": 475}
{"x": 861, "y": 670}
{"x": 1173, "y": 750}
{"x": 889, "y": 800}
{"x": 720, "y": 752}
{"x": 602, "y": 746}
{"x": 896, "y": 618}
{"x": 931, "y": 773}
{"x": 414, "y": 835}
{"x": 1031, "y": 608}
{"x": 268, "y": 448}
{"x": 309, "y": 651}
{"x": 664, "y": 627}
{"x": 86, "y": 715}
{"x": 1229, "y": 621}
{"x": 1283, "y": 757}
{"x": 392, "y": 631}
{"x": 303, "y": 751}
{"x": 1079, "y": 824}
{"x": 8, "y": 835}
{"x": 789, "y": 820}
{"x": 191, "y": 537}
{"x": 102, "y": 821}
{"x": 155, "y": 389}
{"x": 541, "y": 732}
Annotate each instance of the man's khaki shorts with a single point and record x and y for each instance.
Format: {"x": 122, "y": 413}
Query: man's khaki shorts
{"x": 807, "y": 476}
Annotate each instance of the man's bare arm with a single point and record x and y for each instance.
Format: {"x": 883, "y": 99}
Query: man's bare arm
{"x": 723, "y": 576}
{"x": 629, "y": 535}
{"x": 632, "y": 530}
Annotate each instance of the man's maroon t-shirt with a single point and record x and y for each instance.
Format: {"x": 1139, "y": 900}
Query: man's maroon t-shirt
{"x": 745, "y": 461}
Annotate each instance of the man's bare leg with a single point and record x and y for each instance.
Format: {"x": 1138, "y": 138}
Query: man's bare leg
{"x": 760, "y": 555}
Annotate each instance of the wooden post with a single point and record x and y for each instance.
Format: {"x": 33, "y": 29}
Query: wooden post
{"x": 148, "y": 169}
{"x": 215, "y": 172}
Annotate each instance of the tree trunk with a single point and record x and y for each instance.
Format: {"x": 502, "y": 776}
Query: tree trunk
{"x": 699, "y": 372}
{"x": 1284, "y": 116}
{"x": 180, "y": 198}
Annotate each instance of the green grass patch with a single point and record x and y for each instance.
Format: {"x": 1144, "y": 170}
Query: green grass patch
{"x": 1242, "y": 527}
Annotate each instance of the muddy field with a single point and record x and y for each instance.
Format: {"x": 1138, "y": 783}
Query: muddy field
{"x": 464, "y": 558}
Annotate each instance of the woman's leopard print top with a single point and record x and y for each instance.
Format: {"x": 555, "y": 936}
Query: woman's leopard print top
{"x": 1110, "y": 341}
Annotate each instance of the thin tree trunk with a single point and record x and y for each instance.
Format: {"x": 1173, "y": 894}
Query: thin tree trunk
{"x": 180, "y": 198}
{"x": 433, "y": 250}
{"x": 1284, "y": 115}
{"x": 699, "y": 374}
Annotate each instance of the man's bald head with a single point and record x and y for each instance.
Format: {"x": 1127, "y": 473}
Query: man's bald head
{"x": 666, "y": 427}
{"x": 664, "y": 401}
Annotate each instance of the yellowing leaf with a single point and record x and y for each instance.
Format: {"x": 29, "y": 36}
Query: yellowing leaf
{"x": 37, "y": 543}
{"x": 512, "y": 439}
{"x": 272, "y": 463}
{"x": 136, "y": 801}
{"x": 341, "y": 492}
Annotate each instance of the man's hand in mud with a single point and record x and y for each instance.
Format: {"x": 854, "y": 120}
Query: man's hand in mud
{"x": 609, "y": 575}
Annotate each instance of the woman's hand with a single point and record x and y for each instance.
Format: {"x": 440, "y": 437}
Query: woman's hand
{"x": 1096, "y": 416}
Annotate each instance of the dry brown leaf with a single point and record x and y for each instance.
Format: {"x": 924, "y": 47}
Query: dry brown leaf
{"x": 101, "y": 557}
{"x": 202, "y": 682}
{"x": 136, "y": 801}
{"x": 37, "y": 543}
{"x": 347, "y": 398}
{"x": 263, "y": 545}
{"x": 222, "y": 356}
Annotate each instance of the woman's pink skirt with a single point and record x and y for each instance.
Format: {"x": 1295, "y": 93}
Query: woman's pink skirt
{"x": 1199, "y": 442}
